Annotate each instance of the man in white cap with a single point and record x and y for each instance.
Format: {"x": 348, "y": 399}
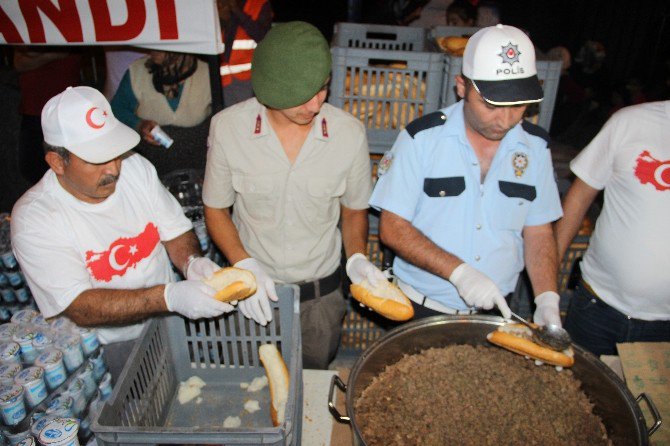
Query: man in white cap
{"x": 95, "y": 236}
{"x": 468, "y": 197}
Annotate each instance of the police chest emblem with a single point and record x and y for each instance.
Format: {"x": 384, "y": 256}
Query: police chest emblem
{"x": 384, "y": 163}
{"x": 520, "y": 163}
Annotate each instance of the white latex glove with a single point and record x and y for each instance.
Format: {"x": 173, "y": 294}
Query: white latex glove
{"x": 200, "y": 268}
{"x": 359, "y": 268}
{"x": 546, "y": 310}
{"x": 477, "y": 290}
{"x": 194, "y": 299}
{"x": 257, "y": 306}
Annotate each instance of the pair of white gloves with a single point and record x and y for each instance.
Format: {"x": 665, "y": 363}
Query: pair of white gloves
{"x": 477, "y": 290}
{"x": 195, "y": 299}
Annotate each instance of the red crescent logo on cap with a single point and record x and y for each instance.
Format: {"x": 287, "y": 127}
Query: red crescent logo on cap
{"x": 89, "y": 119}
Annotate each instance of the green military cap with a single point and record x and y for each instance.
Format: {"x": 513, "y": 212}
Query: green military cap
{"x": 290, "y": 65}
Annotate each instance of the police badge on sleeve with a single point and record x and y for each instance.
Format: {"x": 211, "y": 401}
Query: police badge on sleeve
{"x": 384, "y": 163}
{"x": 520, "y": 163}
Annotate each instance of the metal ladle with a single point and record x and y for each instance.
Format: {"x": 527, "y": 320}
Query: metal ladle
{"x": 551, "y": 336}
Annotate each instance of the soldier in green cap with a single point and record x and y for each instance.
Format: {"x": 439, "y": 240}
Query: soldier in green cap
{"x": 293, "y": 168}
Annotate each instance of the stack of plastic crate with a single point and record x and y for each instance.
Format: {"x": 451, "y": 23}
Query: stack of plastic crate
{"x": 223, "y": 352}
{"x": 548, "y": 71}
{"x": 385, "y": 75}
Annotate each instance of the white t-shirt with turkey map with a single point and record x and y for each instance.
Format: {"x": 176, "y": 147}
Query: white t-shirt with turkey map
{"x": 66, "y": 246}
{"x": 628, "y": 260}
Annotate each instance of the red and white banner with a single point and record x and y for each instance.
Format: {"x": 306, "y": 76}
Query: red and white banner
{"x": 174, "y": 25}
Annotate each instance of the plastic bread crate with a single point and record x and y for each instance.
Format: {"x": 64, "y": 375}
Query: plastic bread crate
{"x": 144, "y": 409}
{"x": 548, "y": 71}
{"x": 379, "y": 37}
{"x": 386, "y": 90}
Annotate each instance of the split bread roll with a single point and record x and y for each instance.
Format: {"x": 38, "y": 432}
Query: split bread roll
{"x": 385, "y": 298}
{"x": 278, "y": 381}
{"x": 232, "y": 284}
{"x": 519, "y": 339}
{"x": 454, "y": 45}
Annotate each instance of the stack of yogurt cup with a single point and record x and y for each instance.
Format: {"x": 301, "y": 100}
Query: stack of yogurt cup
{"x": 49, "y": 370}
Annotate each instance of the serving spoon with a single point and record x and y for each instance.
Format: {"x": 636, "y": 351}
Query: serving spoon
{"x": 551, "y": 336}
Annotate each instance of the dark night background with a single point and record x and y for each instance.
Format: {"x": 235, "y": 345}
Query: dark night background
{"x": 635, "y": 34}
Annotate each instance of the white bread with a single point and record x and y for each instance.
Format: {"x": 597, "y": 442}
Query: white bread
{"x": 385, "y": 298}
{"x": 454, "y": 45}
{"x": 278, "y": 380}
{"x": 518, "y": 338}
{"x": 232, "y": 284}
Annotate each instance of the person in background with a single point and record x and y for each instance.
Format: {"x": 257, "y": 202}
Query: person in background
{"x": 163, "y": 88}
{"x": 284, "y": 170}
{"x": 461, "y": 13}
{"x": 95, "y": 237}
{"x": 488, "y": 13}
{"x": 467, "y": 196}
{"x": 43, "y": 72}
{"x": 117, "y": 61}
{"x": 243, "y": 24}
{"x": 622, "y": 295}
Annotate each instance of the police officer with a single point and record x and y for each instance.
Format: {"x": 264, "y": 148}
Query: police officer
{"x": 468, "y": 196}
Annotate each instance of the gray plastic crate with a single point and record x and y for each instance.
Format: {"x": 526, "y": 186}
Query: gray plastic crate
{"x": 379, "y": 37}
{"x": 548, "y": 71}
{"x": 386, "y": 90}
{"x": 144, "y": 409}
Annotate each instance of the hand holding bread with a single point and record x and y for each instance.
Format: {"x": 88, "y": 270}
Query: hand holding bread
{"x": 257, "y": 306}
{"x": 194, "y": 299}
{"x": 232, "y": 284}
{"x": 370, "y": 287}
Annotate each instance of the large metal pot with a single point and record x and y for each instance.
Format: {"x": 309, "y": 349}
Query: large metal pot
{"x": 613, "y": 401}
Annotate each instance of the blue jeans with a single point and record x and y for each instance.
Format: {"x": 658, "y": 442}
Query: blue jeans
{"x": 597, "y": 327}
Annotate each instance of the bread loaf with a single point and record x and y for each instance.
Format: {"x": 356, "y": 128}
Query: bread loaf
{"x": 385, "y": 298}
{"x": 232, "y": 284}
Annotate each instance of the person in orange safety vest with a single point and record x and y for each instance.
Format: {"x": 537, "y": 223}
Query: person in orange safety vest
{"x": 243, "y": 24}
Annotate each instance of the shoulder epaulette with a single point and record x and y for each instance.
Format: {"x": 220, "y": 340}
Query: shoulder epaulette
{"x": 536, "y": 130}
{"x": 425, "y": 122}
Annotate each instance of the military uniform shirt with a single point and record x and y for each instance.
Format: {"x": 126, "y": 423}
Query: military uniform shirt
{"x": 433, "y": 181}
{"x": 287, "y": 214}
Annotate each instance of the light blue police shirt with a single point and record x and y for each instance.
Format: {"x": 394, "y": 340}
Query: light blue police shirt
{"x": 433, "y": 181}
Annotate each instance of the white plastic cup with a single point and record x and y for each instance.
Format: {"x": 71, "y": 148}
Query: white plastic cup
{"x": 89, "y": 340}
{"x": 86, "y": 375}
{"x": 9, "y": 370}
{"x": 73, "y": 355}
{"x": 61, "y": 406}
{"x": 24, "y": 337}
{"x": 99, "y": 366}
{"x": 76, "y": 391}
{"x": 105, "y": 386}
{"x": 59, "y": 432}
{"x": 10, "y": 351}
{"x": 38, "y": 424}
{"x": 24, "y": 316}
{"x": 51, "y": 360}
{"x": 12, "y": 407}
{"x": 17, "y": 438}
{"x": 7, "y": 331}
{"x": 28, "y": 441}
{"x": 32, "y": 380}
{"x": 161, "y": 137}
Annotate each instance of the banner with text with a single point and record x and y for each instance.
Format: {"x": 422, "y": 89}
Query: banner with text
{"x": 174, "y": 25}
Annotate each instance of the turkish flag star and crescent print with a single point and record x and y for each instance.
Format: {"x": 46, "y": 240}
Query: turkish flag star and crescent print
{"x": 122, "y": 254}
{"x": 651, "y": 170}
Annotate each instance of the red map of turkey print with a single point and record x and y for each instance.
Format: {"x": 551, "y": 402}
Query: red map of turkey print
{"x": 122, "y": 254}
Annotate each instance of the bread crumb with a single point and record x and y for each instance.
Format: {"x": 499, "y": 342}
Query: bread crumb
{"x": 257, "y": 384}
{"x": 199, "y": 400}
{"x": 252, "y": 406}
{"x": 232, "y": 422}
{"x": 244, "y": 385}
{"x": 190, "y": 389}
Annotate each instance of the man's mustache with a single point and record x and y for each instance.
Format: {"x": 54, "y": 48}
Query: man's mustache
{"x": 108, "y": 179}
